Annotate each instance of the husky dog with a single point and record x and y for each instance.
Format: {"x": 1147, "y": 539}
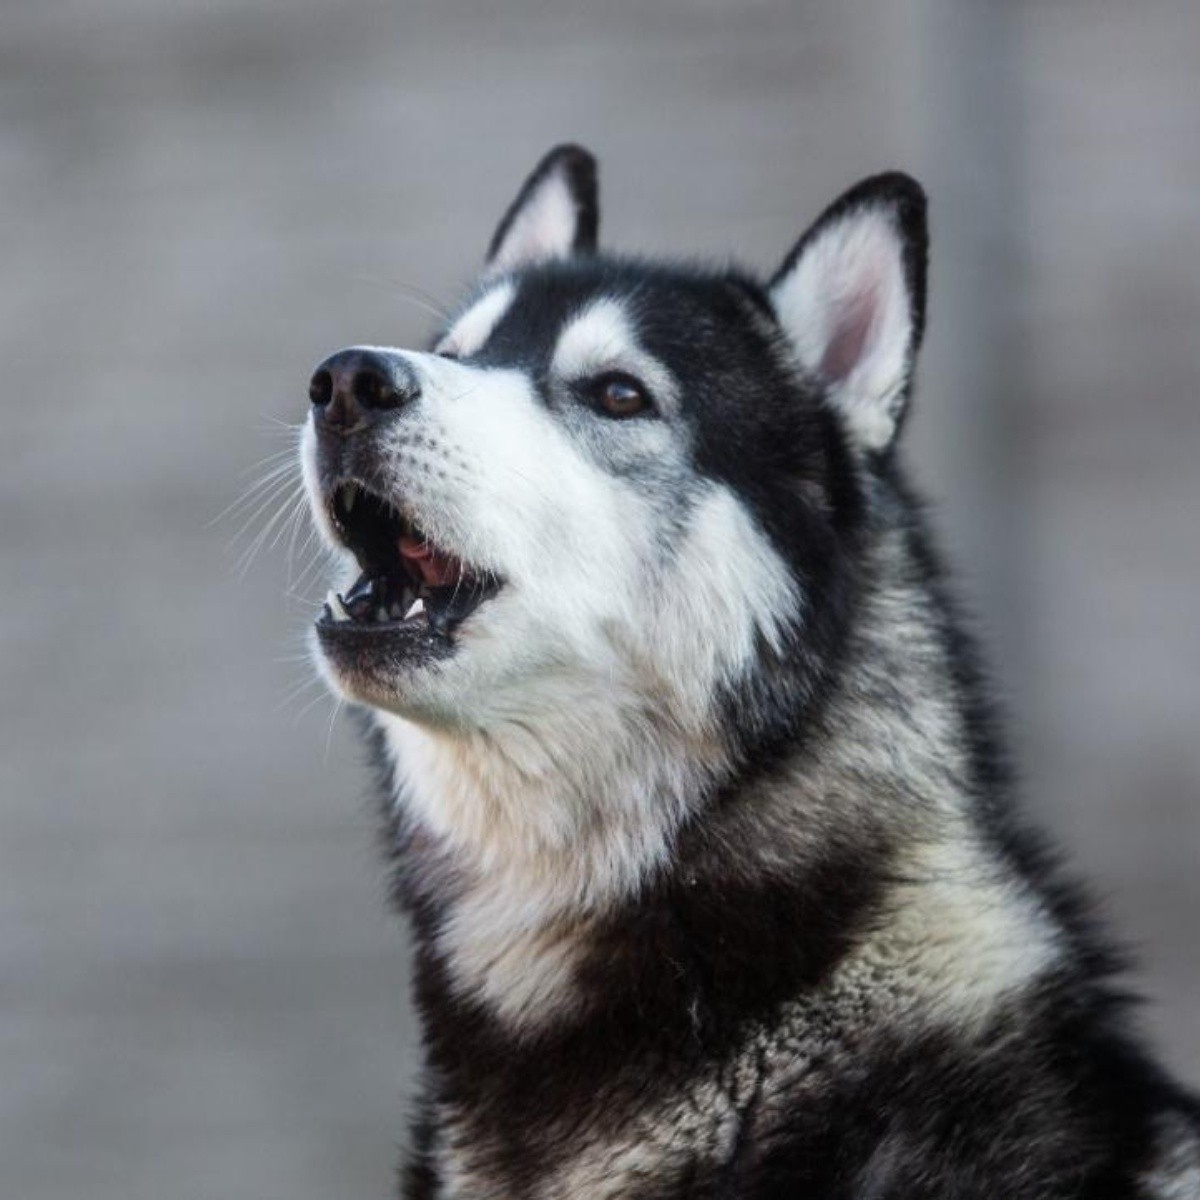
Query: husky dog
{"x": 693, "y": 787}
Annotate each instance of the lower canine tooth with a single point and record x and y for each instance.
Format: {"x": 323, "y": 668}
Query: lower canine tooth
{"x": 417, "y": 608}
{"x": 381, "y": 613}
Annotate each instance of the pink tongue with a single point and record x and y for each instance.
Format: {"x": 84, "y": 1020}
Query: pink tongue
{"x": 437, "y": 569}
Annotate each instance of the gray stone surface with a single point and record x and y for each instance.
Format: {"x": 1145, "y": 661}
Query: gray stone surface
{"x": 200, "y": 995}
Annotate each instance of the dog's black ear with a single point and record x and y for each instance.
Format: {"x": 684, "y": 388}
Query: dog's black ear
{"x": 851, "y": 297}
{"x": 555, "y": 214}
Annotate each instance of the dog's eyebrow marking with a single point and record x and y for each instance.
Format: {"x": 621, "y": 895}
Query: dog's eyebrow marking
{"x": 471, "y": 331}
{"x": 595, "y": 338}
{"x": 601, "y": 339}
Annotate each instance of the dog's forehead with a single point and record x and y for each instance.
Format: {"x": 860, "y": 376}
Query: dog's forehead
{"x": 559, "y": 311}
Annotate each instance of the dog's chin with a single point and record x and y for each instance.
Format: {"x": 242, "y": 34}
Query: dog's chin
{"x": 425, "y": 671}
{"x": 377, "y": 666}
{"x": 403, "y": 667}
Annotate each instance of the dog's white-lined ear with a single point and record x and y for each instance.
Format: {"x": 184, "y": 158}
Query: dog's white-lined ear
{"x": 851, "y": 298}
{"x": 555, "y": 214}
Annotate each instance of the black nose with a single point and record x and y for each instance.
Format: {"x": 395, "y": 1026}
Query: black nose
{"x": 353, "y": 387}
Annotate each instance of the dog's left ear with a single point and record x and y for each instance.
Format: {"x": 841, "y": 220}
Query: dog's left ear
{"x": 851, "y": 298}
{"x": 555, "y": 214}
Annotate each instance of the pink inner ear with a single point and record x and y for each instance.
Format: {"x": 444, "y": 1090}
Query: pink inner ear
{"x": 855, "y": 323}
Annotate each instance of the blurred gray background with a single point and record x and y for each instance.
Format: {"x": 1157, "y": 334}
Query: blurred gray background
{"x": 201, "y": 996}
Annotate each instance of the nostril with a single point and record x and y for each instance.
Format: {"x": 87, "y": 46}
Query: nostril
{"x": 320, "y": 390}
{"x": 355, "y": 386}
{"x": 372, "y": 390}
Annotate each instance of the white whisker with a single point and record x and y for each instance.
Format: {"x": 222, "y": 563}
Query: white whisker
{"x": 407, "y": 291}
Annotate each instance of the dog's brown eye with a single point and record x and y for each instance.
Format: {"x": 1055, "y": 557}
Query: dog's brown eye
{"x": 619, "y": 396}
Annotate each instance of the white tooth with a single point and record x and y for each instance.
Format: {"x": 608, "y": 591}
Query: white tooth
{"x": 337, "y": 610}
{"x": 417, "y": 608}
{"x": 381, "y": 613}
{"x": 395, "y": 611}
{"x": 349, "y": 495}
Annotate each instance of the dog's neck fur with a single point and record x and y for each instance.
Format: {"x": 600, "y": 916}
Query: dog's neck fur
{"x": 516, "y": 848}
{"x": 522, "y": 803}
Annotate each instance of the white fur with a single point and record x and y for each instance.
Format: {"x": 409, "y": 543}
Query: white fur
{"x": 543, "y": 228}
{"x": 848, "y": 288}
{"x": 961, "y": 934}
{"x": 469, "y": 334}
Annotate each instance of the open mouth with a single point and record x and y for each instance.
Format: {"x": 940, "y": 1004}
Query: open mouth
{"x": 408, "y": 582}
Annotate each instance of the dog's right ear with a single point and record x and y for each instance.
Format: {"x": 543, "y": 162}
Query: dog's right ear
{"x": 851, "y": 299}
{"x": 555, "y": 214}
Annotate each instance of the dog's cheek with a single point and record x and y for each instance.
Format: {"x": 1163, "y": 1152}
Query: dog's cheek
{"x": 725, "y": 594}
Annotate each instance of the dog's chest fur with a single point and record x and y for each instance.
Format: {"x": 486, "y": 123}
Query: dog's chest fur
{"x": 685, "y": 1089}
{"x": 776, "y": 974}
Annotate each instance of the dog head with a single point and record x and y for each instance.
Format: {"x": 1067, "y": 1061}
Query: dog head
{"x": 616, "y": 486}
